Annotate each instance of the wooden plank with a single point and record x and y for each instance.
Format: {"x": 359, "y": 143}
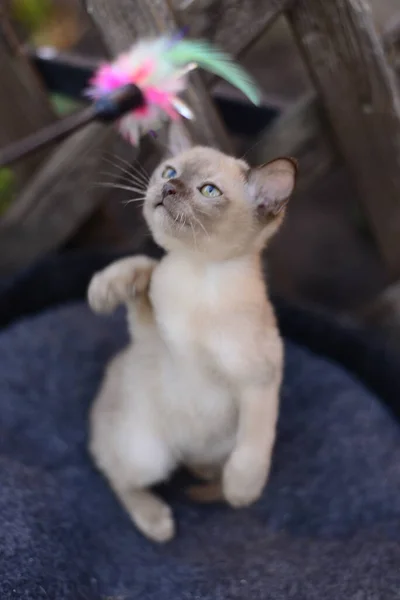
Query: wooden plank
{"x": 233, "y": 25}
{"x": 25, "y": 107}
{"x": 358, "y": 91}
{"x": 302, "y": 130}
{"x": 122, "y": 22}
{"x": 391, "y": 41}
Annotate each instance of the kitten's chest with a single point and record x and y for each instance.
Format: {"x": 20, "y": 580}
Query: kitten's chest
{"x": 183, "y": 309}
{"x": 198, "y": 402}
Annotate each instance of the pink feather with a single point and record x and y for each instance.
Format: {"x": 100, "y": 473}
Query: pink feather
{"x": 159, "y": 82}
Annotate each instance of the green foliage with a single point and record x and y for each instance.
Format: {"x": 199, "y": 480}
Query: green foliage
{"x": 63, "y": 105}
{"x": 31, "y": 13}
{"x": 7, "y": 189}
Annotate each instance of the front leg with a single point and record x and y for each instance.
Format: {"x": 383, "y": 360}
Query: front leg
{"x": 120, "y": 282}
{"x": 246, "y": 471}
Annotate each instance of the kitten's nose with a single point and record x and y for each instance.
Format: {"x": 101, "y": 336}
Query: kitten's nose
{"x": 168, "y": 189}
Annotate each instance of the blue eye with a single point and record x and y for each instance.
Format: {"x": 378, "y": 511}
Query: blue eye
{"x": 210, "y": 191}
{"x": 169, "y": 173}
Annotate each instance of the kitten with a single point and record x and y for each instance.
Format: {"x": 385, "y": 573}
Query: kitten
{"x": 199, "y": 385}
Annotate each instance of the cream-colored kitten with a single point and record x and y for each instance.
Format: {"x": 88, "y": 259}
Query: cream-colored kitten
{"x": 199, "y": 384}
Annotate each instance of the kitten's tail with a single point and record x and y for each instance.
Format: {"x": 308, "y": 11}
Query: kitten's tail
{"x": 206, "y": 493}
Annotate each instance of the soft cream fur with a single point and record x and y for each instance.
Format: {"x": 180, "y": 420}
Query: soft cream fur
{"x": 199, "y": 385}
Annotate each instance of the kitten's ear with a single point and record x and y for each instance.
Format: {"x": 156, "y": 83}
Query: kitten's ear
{"x": 271, "y": 186}
{"x": 178, "y": 138}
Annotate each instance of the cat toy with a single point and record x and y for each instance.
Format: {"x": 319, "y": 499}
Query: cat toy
{"x": 140, "y": 90}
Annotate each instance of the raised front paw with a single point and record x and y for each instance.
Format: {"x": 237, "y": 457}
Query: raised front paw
{"x": 244, "y": 478}
{"x": 119, "y": 283}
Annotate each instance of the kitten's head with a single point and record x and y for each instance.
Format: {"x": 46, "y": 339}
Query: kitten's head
{"x": 207, "y": 202}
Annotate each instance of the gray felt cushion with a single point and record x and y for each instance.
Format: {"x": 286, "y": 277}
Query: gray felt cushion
{"x": 327, "y": 527}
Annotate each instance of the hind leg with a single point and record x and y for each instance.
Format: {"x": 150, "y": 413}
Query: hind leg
{"x": 144, "y": 464}
{"x": 126, "y": 446}
{"x": 151, "y": 515}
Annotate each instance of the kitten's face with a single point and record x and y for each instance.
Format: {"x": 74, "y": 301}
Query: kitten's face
{"x": 207, "y": 202}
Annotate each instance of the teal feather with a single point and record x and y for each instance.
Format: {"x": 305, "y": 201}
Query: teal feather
{"x": 215, "y": 61}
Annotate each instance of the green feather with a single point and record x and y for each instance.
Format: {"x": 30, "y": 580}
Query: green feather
{"x": 215, "y": 61}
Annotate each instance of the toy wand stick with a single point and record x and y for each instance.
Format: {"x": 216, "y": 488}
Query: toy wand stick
{"x": 107, "y": 109}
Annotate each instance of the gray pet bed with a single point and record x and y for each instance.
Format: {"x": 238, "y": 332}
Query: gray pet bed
{"x": 326, "y": 528}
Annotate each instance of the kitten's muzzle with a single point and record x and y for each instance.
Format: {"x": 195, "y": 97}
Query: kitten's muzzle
{"x": 172, "y": 188}
{"x": 170, "y": 196}
{"x": 168, "y": 189}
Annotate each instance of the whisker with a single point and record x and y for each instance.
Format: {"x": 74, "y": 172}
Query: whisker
{"x": 182, "y": 221}
{"x": 143, "y": 169}
{"x": 123, "y": 178}
{"x": 203, "y": 212}
{"x": 200, "y": 223}
{"x": 194, "y": 234}
{"x": 136, "y": 176}
{"x": 130, "y": 172}
{"x": 118, "y": 166}
{"x": 118, "y": 186}
{"x": 132, "y": 200}
{"x": 126, "y": 162}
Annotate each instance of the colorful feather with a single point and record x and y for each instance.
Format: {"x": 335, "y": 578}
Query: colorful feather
{"x": 215, "y": 61}
{"x": 160, "y": 69}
